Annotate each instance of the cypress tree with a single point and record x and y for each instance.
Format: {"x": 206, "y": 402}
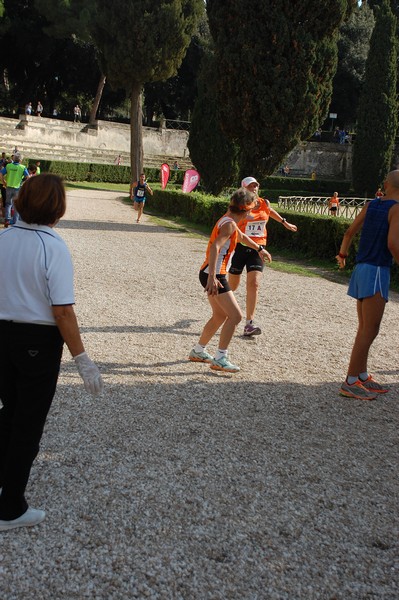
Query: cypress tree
{"x": 353, "y": 48}
{"x": 210, "y": 150}
{"x": 378, "y": 106}
{"x": 275, "y": 64}
{"x": 140, "y": 42}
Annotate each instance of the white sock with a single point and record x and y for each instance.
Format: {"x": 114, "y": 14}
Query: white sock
{"x": 363, "y": 376}
{"x": 249, "y": 321}
{"x": 198, "y": 348}
{"x": 351, "y": 379}
{"x": 220, "y": 354}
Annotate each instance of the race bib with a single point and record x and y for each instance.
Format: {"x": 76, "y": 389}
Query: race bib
{"x": 255, "y": 228}
{"x": 140, "y": 193}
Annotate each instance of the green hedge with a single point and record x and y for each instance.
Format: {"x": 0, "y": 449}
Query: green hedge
{"x": 99, "y": 172}
{"x": 318, "y": 236}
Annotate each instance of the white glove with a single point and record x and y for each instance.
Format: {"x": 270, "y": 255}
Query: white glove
{"x": 89, "y": 373}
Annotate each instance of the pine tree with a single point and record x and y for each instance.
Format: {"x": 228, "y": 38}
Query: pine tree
{"x": 275, "y": 64}
{"x": 140, "y": 42}
{"x": 378, "y": 107}
{"x": 71, "y": 19}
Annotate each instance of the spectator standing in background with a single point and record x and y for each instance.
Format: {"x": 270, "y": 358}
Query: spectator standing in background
{"x": 77, "y": 114}
{"x": 39, "y": 109}
{"x": 12, "y": 176}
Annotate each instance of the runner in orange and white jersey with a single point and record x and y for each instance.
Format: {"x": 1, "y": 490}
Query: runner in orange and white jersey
{"x": 254, "y": 226}
{"x": 333, "y": 204}
{"x": 225, "y": 310}
{"x": 223, "y": 258}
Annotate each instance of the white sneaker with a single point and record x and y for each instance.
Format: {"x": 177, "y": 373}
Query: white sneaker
{"x": 30, "y": 518}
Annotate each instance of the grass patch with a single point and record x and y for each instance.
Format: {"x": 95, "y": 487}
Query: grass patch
{"x": 110, "y": 187}
{"x": 291, "y": 268}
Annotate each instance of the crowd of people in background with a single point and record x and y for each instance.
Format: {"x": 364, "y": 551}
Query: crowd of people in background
{"x": 38, "y": 112}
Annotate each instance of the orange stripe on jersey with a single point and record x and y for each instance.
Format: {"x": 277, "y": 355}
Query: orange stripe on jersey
{"x": 223, "y": 259}
{"x": 254, "y": 225}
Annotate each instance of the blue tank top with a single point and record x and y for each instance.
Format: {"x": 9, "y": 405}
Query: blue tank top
{"x": 373, "y": 245}
{"x": 140, "y": 190}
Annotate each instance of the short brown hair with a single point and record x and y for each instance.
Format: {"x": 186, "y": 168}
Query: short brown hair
{"x": 242, "y": 201}
{"x": 41, "y": 200}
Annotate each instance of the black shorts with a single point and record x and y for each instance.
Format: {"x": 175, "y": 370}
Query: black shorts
{"x": 333, "y": 208}
{"x": 245, "y": 257}
{"x": 203, "y": 277}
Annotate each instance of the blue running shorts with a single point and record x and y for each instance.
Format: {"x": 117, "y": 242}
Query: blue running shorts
{"x": 368, "y": 280}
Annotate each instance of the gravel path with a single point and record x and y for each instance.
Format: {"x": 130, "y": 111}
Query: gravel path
{"x": 183, "y": 483}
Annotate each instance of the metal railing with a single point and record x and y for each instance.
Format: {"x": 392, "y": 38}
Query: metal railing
{"x": 318, "y": 205}
{"x": 175, "y": 124}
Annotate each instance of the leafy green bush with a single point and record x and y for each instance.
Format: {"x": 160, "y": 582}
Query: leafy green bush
{"x": 195, "y": 207}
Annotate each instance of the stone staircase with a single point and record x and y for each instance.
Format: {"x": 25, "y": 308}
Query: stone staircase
{"x": 47, "y": 139}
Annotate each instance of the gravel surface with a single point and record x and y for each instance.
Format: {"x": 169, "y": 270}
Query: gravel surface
{"x": 183, "y": 483}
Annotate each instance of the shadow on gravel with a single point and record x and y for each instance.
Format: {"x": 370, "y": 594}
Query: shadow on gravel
{"x": 110, "y": 226}
{"x": 242, "y": 490}
{"x": 180, "y": 327}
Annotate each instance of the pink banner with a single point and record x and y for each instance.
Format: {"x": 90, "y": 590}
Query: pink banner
{"x": 191, "y": 180}
{"x": 165, "y": 171}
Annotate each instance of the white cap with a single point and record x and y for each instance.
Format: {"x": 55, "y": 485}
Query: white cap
{"x": 248, "y": 180}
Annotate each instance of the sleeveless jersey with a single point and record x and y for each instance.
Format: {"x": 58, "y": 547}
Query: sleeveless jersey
{"x": 373, "y": 245}
{"x": 334, "y": 201}
{"x": 139, "y": 191}
{"x": 254, "y": 225}
{"x": 223, "y": 259}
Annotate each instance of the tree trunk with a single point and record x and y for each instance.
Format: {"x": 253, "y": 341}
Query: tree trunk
{"x": 136, "y": 132}
{"x": 97, "y": 99}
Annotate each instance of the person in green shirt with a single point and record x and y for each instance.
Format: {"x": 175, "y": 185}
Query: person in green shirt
{"x": 12, "y": 176}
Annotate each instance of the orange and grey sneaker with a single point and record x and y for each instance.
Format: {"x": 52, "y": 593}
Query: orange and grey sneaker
{"x": 373, "y": 386}
{"x": 203, "y": 356}
{"x": 356, "y": 390}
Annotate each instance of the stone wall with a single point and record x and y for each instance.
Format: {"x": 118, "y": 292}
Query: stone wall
{"x": 326, "y": 159}
{"x": 64, "y": 140}
{"x": 103, "y": 142}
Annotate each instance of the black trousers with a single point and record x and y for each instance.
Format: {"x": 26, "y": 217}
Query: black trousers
{"x": 30, "y": 357}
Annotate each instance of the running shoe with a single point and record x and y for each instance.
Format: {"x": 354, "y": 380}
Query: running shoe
{"x": 200, "y": 356}
{"x": 6, "y": 223}
{"x": 252, "y": 329}
{"x": 356, "y": 390}
{"x": 223, "y": 364}
{"x": 373, "y": 386}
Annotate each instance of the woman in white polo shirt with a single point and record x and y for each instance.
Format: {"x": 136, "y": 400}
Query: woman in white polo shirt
{"x": 36, "y": 318}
